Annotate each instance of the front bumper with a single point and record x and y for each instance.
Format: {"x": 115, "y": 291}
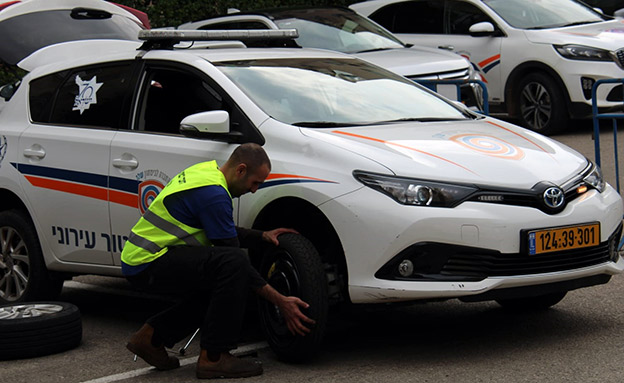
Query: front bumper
{"x": 374, "y": 233}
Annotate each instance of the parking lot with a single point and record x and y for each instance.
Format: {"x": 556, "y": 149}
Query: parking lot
{"x": 579, "y": 340}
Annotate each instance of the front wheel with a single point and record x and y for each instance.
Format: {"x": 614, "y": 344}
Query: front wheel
{"x": 541, "y": 103}
{"x": 23, "y": 275}
{"x": 294, "y": 268}
{"x": 541, "y": 302}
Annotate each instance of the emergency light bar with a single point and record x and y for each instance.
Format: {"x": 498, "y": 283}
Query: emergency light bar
{"x": 212, "y": 35}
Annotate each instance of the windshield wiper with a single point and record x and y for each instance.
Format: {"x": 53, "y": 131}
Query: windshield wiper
{"x": 373, "y": 50}
{"x": 422, "y": 119}
{"x": 325, "y": 124}
{"x": 579, "y": 23}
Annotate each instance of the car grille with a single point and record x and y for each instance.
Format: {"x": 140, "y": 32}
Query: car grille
{"x": 620, "y": 57}
{"x": 462, "y": 74}
{"x": 482, "y": 266}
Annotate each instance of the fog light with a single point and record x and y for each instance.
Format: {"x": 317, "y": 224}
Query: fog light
{"x": 587, "y": 84}
{"x": 406, "y": 268}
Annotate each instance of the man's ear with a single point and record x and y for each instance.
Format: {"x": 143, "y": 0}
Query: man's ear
{"x": 241, "y": 169}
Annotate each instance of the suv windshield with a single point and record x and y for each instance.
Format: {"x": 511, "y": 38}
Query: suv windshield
{"x": 543, "y": 14}
{"x": 22, "y": 35}
{"x": 335, "y": 29}
{"x": 330, "y": 92}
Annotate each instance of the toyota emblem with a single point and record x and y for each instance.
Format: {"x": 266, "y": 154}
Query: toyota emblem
{"x": 553, "y": 197}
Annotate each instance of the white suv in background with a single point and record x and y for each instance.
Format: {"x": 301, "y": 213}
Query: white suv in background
{"x": 540, "y": 59}
{"x": 399, "y": 194}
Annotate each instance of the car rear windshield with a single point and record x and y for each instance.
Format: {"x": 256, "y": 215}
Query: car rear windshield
{"x": 24, "y": 34}
{"x": 329, "y": 92}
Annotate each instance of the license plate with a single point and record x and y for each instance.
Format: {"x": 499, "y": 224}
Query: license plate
{"x": 563, "y": 238}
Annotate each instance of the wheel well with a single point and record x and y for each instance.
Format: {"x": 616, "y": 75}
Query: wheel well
{"x": 522, "y": 70}
{"x": 9, "y": 200}
{"x": 310, "y": 222}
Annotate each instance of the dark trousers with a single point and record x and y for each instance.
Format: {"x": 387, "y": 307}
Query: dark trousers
{"x": 213, "y": 283}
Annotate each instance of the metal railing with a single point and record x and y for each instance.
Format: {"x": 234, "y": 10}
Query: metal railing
{"x": 614, "y": 117}
{"x": 433, "y": 85}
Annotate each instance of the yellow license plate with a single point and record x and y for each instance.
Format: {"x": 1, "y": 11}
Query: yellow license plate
{"x": 563, "y": 238}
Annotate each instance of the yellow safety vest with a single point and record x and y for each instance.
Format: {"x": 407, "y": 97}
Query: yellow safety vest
{"x": 157, "y": 229}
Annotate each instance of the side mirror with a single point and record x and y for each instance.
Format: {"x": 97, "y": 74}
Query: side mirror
{"x": 8, "y": 91}
{"x": 212, "y": 125}
{"x": 484, "y": 28}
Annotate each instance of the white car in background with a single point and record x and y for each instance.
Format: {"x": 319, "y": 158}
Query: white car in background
{"x": 400, "y": 195}
{"x": 540, "y": 58}
{"x": 340, "y": 29}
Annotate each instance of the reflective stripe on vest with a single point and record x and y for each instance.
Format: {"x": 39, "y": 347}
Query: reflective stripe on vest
{"x": 157, "y": 229}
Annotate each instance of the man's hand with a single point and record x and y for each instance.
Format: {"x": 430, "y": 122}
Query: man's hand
{"x": 290, "y": 308}
{"x": 271, "y": 235}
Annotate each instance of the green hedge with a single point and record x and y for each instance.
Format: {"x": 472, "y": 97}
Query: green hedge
{"x": 166, "y": 13}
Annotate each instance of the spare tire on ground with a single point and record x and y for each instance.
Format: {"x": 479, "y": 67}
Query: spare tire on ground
{"x": 38, "y": 328}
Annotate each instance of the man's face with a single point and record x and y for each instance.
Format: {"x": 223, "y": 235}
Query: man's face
{"x": 247, "y": 181}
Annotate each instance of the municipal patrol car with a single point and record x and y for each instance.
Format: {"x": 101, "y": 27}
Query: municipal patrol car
{"x": 540, "y": 59}
{"x": 399, "y": 194}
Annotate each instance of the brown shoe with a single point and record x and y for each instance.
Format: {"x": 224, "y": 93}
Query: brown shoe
{"x": 141, "y": 344}
{"x": 228, "y": 366}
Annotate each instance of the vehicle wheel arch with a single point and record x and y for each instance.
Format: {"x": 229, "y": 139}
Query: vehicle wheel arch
{"x": 10, "y": 201}
{"x": 522, "y": 70}
{"x": 311, "y": 222}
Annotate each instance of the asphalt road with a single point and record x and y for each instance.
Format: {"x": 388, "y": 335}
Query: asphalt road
{"x": 579, "y": 340}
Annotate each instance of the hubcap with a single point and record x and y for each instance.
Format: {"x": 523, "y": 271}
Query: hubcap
{"x": 536, "y": 105}
{"x": 28, "y": 311}
{"x": 14, "y": 264}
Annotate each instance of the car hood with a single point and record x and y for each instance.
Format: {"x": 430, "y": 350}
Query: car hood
{"x": 480, "y": 152}
{"x": 416, "y": 61}
{"x": 606, "y": 35}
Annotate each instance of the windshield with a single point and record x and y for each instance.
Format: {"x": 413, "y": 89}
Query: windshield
{"x": 542, "y": 14}
{"x": 22, "y": 35}
{"x": 336, "y": 29}
{"x": 330, "y": 92}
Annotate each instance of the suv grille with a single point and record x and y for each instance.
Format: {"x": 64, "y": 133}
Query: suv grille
{"x": 462, "y": 74}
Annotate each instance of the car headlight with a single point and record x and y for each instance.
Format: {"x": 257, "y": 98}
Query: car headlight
{"x": 408, "y": 191}
{"x": 581, "y": 52}
{"x": 595, "y": 180}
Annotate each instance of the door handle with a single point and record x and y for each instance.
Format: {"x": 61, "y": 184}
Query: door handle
{"x": 126, "y": 163}
{"x": 447, "y": 47}
{"x": 34, "y": 151}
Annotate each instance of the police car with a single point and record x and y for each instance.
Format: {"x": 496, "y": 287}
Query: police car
{"x": 399, "y": 194}
{"x": 540, "y": 59}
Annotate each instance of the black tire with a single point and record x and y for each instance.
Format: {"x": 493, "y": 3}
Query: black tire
{"x": 541, "y": 104}
{"x": 541, "y": 302}
{"x": 39, "y": 328}
{"x": 294, "y": 268}
{"x": 23, "y": 274}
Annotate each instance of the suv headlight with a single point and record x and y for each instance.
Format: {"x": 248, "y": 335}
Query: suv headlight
{"x": 408, "y": 191}
{"x": 581, "y": 52}
{"x": 595, "y": 180}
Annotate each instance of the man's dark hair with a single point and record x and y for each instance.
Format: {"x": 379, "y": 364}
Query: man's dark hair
{"x": 252, "y": 155}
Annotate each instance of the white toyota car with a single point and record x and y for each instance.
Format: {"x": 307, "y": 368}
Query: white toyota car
{"x": 398, "y": 193}
{"x": 540, "y": 59}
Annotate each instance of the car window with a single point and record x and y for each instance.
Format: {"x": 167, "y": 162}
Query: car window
{"x": 94, "y": 96}
{"x": 412, "y": 17}
{"x": 544, "y": 13}
{"x": 229, "y": 25}
{"x": 171, "y": 93}
{"x": 461, "y": 16}
{"x": 334, "y": 91}
{"x": 24, "y": 34}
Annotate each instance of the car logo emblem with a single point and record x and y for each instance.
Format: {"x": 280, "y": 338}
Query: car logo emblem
{"x": 554, "y": 197}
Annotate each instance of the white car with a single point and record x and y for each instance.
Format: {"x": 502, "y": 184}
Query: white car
{"x": 540, "y": 59}
{"x": 399, "y": 194}
{"x": 343, "y": 30}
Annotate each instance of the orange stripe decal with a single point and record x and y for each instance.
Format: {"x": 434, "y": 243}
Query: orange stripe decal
{"x": 273, "y": 176}
{"x": 489, "y": 60}
{"x": 122, "y": 198}
{"x": 404, "y": 147}
{"x": 69, "y": 187}
{"x": 521, "y": 136}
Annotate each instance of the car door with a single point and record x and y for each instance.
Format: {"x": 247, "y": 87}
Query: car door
{"x": 145, "y": 158}
{"x": 64, "y": 156}
{"x": 445, "y": 25}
